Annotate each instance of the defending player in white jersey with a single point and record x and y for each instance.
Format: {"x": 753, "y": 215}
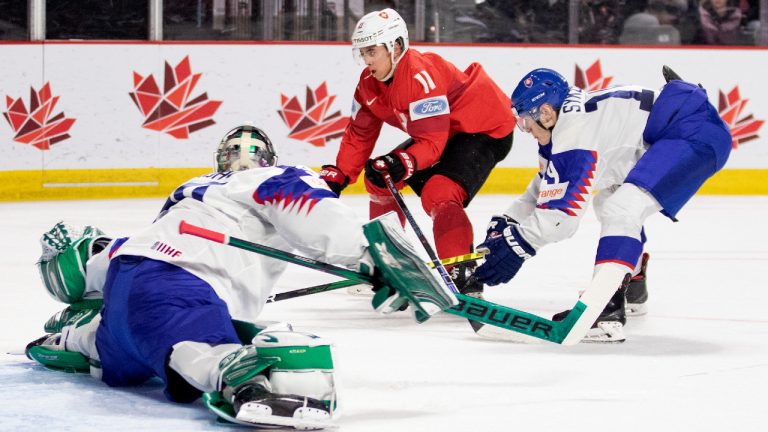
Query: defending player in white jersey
{"x": 169, "y": 299}
{"x": 641, "y": 151}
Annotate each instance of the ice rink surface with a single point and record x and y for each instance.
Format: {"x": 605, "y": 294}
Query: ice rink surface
{"x": 697, "y": 362}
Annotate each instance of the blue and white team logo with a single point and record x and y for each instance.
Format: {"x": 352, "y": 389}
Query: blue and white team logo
{"x": 429, "y": 107}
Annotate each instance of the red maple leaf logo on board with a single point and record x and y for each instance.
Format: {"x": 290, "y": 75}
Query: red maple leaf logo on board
{"x": 37, "y": 126}
{"x": 311, "y": 124}
{"x": 743, "y": 128}
{"x": 592, "y": 79}
{"x": 173, "y": 110}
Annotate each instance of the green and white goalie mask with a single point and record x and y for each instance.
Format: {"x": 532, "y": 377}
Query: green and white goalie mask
{"x": 243, "y": 148}
{"x": 62, "y": 265}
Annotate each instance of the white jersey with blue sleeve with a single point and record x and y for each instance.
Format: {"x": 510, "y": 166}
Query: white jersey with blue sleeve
{"x": 597, "y": 140}
{"x": 281, "y": 207}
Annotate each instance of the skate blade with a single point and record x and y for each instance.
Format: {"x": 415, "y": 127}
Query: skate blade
{"x": 605, "y": 332}
{"x": 303, "y": 418}
{"x": 361, "y": 290}
{"x": 636, "y": 309}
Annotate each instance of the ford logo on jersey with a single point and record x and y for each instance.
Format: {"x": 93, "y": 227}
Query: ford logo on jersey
{"x": 429, "y": 107}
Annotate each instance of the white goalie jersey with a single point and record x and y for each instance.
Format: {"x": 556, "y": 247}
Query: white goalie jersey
{"x": 281, "y": 207}
{"x": 597, "y": 140}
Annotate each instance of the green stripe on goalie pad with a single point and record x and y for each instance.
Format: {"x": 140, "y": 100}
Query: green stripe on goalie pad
{"x": 75, "y": 314}
{"x": 403, "y": 270}
{"x": 515, "y": 320}
{"x": 65, "y": 361}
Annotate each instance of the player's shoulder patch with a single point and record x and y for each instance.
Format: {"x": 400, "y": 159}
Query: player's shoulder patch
{"x": 355, "y": 108}
{"x": 429, "y": 107}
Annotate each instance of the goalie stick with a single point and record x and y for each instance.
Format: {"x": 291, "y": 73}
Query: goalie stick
{"x": 219, "y": 237}
{"x": 508, "y": 323}
{"x": 346, "y": 283}
{"x": 424, "y": 242}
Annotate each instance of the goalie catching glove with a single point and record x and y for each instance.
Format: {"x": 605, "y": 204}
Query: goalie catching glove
{"x": 506, "y": 250}
{"x": 62, "y": 265}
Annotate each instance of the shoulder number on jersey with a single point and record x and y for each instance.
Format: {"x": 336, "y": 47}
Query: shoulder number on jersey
{"x": 425, "y": 80}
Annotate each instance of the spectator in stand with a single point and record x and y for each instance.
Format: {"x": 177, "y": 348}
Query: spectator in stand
{"x": 600, "y": 22}
{"x": 720, "y": 22}
{"x": 750, "y": 11}
{"x": 680, "y": 14}
{"x": 547, "y": 21}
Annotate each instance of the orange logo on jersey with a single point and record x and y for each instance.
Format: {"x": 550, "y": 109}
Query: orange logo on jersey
{"x": 384, "y": 14}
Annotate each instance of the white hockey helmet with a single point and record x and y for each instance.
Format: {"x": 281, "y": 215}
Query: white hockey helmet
{"x": 244, "y": 147}
{"x": 384, "y": 27}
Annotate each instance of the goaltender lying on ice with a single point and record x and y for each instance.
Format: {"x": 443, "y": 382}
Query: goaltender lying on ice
{"x": 161, "y": 303}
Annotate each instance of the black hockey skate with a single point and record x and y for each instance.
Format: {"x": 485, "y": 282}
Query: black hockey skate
{"x": 253, "y": 404}
{"x": 609, "y": 326}
{"x": 637, "y": 292}
{"x": 463, "y": 277}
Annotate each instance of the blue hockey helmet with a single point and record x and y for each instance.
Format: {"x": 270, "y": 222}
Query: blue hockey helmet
{"x": 538, "y": 87}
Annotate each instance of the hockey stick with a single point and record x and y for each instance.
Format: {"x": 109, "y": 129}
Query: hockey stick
{"x": 219, "y": 237}
{"x": 434, "y": 261}
{"x": 346, "y": 283}
{"x": 352, "y": 278}
{"x": 311, "y": 290}
{"x": 472, "y": 256}
{"x": 473, "y": 309}
{"x": 482, "y": 313}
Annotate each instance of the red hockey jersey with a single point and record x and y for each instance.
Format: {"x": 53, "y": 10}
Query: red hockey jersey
{"x": 431, "y": 100}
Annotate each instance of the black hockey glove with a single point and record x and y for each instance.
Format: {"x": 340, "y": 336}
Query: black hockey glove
{"x": 506, "y": 250}
{"x": 399, "y": 164}
{"x": 336, "y": 179}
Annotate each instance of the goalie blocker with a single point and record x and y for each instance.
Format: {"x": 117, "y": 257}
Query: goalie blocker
{"x": 404, "y": 276}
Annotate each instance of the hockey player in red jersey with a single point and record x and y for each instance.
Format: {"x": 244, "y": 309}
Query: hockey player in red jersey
{"x": 459, "y": 123}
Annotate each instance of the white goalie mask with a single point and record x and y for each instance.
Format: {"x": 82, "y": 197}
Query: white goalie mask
{"x": 244, "y": 147}
{"x": 384, "y": 27}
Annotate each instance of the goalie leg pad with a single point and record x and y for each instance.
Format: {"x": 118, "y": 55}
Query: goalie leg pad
{"x": 48, "y": 352}
{"x": 247, "y": 330}
{"x": 76, "y": 314}
{"x": 284, "y": 379}
{"x": 304, "y": 366}
{"x": 73, "y": 349}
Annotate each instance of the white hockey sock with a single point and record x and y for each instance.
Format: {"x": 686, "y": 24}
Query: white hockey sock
{"x": 198, "y": 363}
{"x": 624, "y": 211}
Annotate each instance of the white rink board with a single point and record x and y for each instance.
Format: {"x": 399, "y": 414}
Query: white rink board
{"x": 93, "y": 81}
